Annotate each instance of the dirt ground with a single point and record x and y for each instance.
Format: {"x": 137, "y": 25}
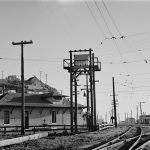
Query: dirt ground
{"x": 71, "y": 142}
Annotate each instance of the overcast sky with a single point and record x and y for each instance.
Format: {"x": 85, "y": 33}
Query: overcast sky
{"x": 55, "y": 27}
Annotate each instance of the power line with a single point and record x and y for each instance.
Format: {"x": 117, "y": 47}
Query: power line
{"x": 40, "y": 60}
{"x": 94, "y": 18}
{"x": 133, "y": 51}
{"x": 127, "y": 62}
{"x": 137, "y": 34}
{"x": 121, "y": 37}
{"x": 103, "y": 18}
{"x": 112, "y": 37}
{"x": 111, "y": 18}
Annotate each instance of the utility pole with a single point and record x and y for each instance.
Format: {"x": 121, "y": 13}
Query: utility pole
{"x": 119, "y": 118}
{"x": 137, "y": 113}
{"x": 112, "y": 116}
{"x": 3, "y": 87}
{"x": 114, "y": 101}
{"x": 40, "y": 75}
{"x": 22, "y": 43}
{"x": 106, "y": 117}
{"x": 94, "y": 95}
{"x": 2, "y": 75}
{"x": 91, "y": 91}
{"x": 131, "y": 116}
{"x": 71, "y": 91}
{"x": 46, "y": 78}
{"x": 141, "y": 111}
{"x": 87, "y": 98}
{"x": 76, "y": 109}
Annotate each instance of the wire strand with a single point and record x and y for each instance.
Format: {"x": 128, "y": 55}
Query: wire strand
{"x": 94, "y": 18}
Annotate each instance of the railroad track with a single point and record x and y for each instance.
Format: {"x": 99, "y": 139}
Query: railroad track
{"x": 133, "y": 139}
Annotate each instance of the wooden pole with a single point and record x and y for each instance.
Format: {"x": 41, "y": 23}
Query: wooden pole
{"x": 22, "y": 43}
{"x": 114, "y": 100}
{"x": 71, "y": 94}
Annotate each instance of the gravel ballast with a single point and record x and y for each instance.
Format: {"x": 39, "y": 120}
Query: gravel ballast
{"x": 71, "y": 142}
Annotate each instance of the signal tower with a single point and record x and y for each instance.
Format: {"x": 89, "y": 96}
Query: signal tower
{"x": 82, "y": 62}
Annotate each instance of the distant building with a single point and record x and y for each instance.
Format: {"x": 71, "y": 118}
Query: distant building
{"x": 130, "y": 120}
{"x": 12, "y": 84}
{"x": 145, "y": 119}
{"x": 40, "y": 109}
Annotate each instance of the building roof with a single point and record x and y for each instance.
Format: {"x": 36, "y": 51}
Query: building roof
{"x": 35, "y": 100}
{"x": 41, "y": 86}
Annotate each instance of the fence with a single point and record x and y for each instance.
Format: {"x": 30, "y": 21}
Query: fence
{"x": 38, "y": 128}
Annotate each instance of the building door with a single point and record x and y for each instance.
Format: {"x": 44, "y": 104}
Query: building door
{"x": 26, "y": 119}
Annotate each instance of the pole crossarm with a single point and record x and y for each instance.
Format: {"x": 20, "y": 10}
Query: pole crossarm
{"x": 22, "y": 42}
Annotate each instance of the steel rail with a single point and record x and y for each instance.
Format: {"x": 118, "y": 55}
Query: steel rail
{"x": 131, "y": 148}
{"x": 114, "y": 143}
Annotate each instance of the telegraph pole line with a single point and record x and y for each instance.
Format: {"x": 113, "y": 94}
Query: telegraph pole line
{"x": 137, "y": 113}
{"x": 40, "y": 75}
{"x": 22, "y": 43}
{"x": 91, "y": 90}
{"x": 141, "y": 111}
{"x": 75, "y": 114}
{"x": 106, "y": 117}
{"x": 71, "y": 91}
{"x": 87, "y": 97}
{"x": 2, "y": 75}
{"x": 119, "y": 118}
{"x": 114, "y": 101}
{"x": 46, "y": 78}
{"x": 131, "y": 116}
{"x": 94, "y": 95}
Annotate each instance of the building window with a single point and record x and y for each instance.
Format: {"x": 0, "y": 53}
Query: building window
{"x": 53, "y": 116}
{"x": 6, "y": 117}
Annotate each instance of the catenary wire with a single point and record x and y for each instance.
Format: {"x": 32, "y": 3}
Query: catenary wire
{"x": 94, "y": 18}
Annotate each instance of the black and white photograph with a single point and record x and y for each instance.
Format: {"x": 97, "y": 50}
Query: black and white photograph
{"x": 75, "y": 74}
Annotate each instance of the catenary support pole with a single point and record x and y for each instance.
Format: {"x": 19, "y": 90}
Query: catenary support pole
{"x": 94, "y": 93}
{"x": 137, "y": 114}
{"x": 71, "y": 94}
{"x": 87, "y": 96}
{"x": 91, "y": 89}
{"x": 76, "y": 109}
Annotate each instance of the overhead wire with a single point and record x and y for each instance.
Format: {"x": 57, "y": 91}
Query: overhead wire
{"x": 121, "y": 36}
{"x": 29, "y": 59}
{"x": 111, "y": 17}
{"x": 112, "y": 36}
{"x": 103, "y": 18}
{"x": 137, "y": 34}
{"x": 117, "y": 29}
{"x": 94, "y": 18}
{"x": 127, "y": 62}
